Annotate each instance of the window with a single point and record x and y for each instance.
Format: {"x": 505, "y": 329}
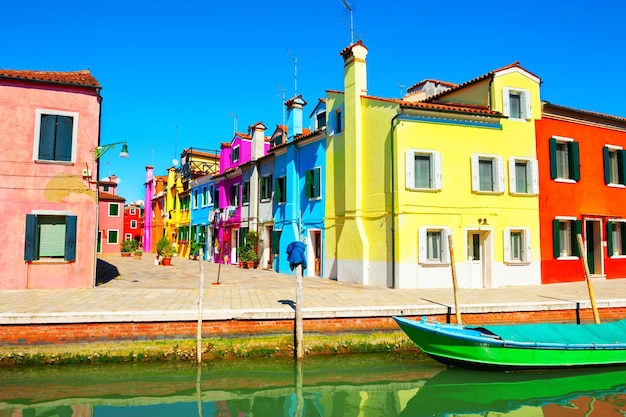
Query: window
{"x": 614, "y": 167}
{"x": 523, "y": 176}
{"x": 266, "y": 187}
{"x": 205, "y": 200}
{"x": 320, "y": 119}
{"x": 564, "y": 231}
{"x": 105, "y": 188}
{"x": 338, "y": 121}
{"x": 423, "y": 169}
{"x": 132, "y": 210}
{"x": 433, "y": 245}
{"x": 133, "y": 224}
{"x": 195, "y": 198}
{"x": 516, "y": 103}
{"x": 517, "y": 245}
{"x": 245, "y": 193}
{"x": 234, "y": 195}
{"x": 55, "y": 135}
{"x": 114, "y": 210}
{"x": 50, "y": 236}
{"x": 128, "y": 236}
{"x": 616, "y": 237}
{"x": 235, "y": 155}
{"x": 312, "y": 183}
{"x": 112, "y": 236}
{"x": 564, "y": 159}
{"x": 216, "y": 197}
{"x": 281, "y": 190}
{"x": 487, "y": 174}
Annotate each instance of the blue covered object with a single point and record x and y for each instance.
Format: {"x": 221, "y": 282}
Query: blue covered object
{"x": 295, "y": 255}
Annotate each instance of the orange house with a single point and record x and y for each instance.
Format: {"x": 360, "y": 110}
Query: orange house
{"x": 582, "y": 177}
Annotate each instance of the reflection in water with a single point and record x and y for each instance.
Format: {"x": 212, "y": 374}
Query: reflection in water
{"x": 339, "y": 386}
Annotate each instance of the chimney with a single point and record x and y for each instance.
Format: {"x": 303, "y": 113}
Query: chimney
{"x": 294, "y": 117}
{"x": 258, "y": 140}
{"x": 355, "y": 74}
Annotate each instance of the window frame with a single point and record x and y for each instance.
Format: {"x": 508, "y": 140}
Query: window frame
{"x": 423, "y": 244}
{"x": 32, "y": 236}
{"x": 204, "y": 195}
{"x": 133, "y": 224}
{"x": 280, "y": 192}
{"x": 235, "y": 189}
{"x": 525, "y": 246}
{"x": 497, "y": 169}
{"x": 235, "y": 153}
{"x": 573, "y": 159}
{"x": 117, "y": 206}
{"x": 266, "y": 187}
{"x": 39, "y": 113}
{"x": 313, "y": 183}
{"x": 620, "y": 168}
{"x": 610, "y": 238}
{"x": 532, "y": 176}
{"x": 245, "y": 193}
{"x": 436, "y": 176}
{"x": 575, "y": 228}
{"x": 525, "y": 103}
{"x": 117, "y": 236}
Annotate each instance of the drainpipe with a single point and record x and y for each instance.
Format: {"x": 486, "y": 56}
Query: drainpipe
{"x": 400, "y": 111}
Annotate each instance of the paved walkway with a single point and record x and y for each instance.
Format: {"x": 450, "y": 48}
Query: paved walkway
{"x": 143, "y": 291}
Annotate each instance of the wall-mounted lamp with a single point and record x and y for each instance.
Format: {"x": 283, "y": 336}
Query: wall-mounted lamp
{"x": 101, "y": 150}
{"x": 483, "y": 222}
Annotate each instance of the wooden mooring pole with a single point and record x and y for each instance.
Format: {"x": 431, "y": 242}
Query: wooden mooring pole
{"x": 299, "y": 331}
{"x": 592, "y": 297}
{"x": 455, "y": 286}
{"x": 200, "y": 298}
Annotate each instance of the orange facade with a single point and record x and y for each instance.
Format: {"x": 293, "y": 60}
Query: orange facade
{"x": 581, "y": 175}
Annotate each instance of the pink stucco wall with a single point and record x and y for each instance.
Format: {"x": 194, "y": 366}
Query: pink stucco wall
{"x": 107, "y": 223}
{"x": 29, "y": 187}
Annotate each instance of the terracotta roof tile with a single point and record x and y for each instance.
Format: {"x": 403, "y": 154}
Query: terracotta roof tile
{"x": 441, "y": 106}
{"x": 82, "y": 78}
{"x": 102, "y": 196}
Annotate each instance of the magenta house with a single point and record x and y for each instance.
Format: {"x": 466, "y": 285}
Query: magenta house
{"x": 48, "y": 202}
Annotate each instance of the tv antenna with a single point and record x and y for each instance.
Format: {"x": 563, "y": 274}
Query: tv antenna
{"x": 234, "y": 116}
{"x": 401, "y": 89}
{"x": 282, "y": 100}
{"x": 350, "y": 10}
{"x": 295, "y": 72}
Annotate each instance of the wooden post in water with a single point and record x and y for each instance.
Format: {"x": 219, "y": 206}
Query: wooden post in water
{"x": 299, "y": 332}
{"x": 200, "y": 297}
{"x": 592, "y": 297}
{"x": 454, "y": 281}
{"x": 219, "y": 266}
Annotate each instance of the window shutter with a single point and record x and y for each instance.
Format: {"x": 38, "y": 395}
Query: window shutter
{"x": 437, "y": 171}
{"x": 577, "y": 227}
{"x": 574, "y": 161}
{"x": 553, "y": 164}
{"x": 534, "y": 180}
{"x": 622, "y": 225}
{"x": 445, "y": 247}
{"x": 528, "y": 256}
{"x": 607, "y": 165}
{"x": 308, "y": 183}
{"x": 609, "y": 237}
{"x": 316, "y": 182}
{"x": 70, "y": 238}
{"x": 527, "y": 106}
{"x": 63, "y": 144}
{"x": 47, "y": 128}
{"x": 475, "y": 174}
{"x": 500, "y": 174}
{"x": 30, "y": 235}
{"x": 421, "y": 244}
{"x": 277, "y": 193}
{"x": 556, "y": 242}
{"x": 276, "y": 241}
{"x": 507, "y": 245}
{"x": 622, "y": 166}
{"x": 506, "y": 101}
{"x": 512, "y": 187}
{"x": 410, "y": 169}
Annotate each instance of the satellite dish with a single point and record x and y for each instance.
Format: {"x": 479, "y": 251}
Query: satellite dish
{"x": 175, "y": 162}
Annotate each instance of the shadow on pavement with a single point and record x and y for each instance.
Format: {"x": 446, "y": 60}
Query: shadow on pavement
{"x": 105, "y": 272}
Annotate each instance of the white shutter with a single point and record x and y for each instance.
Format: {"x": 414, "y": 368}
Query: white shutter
{"x": 500, "y": 174}
{"x": 410, "y": 169}
{"x": 437, "y": 174}
{"x": 528, "y": 256}
{"x": 475, "y": 174}
{"x": 506, "y": 105}
{"x": 445, "y": 247}
{"x": 507, "y": 245}
{"x": 421, "y": 244}
{"x": 534, "y": 180}
{"x": 527, "y": 106}
{"x": 512, "y": 187}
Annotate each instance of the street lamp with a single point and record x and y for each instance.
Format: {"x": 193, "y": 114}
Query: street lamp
{"x": 101, "y": 150}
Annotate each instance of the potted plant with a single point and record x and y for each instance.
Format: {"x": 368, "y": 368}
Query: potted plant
{"x": 164, "y": 250}
{"x": 247, "y": 252}
{"x": 128, "y": 247}
{"x": 242, "y": 256}
{"x": 137, "y": 253}
{"x": 194, "y": 250}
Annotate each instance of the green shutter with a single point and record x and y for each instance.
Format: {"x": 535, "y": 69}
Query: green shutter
{"x": 553, "y": 164}
{"x": 276, "y": 241}
{"x": 63, "y": 143}
{"x": 607, "y": 165}
{"x": 577, "y": 230}
{"x": 47, "y": 128}
{"x": 609, "y": 237}
{"x": 556, "y": 242}
{"x": 277, "y": 194}
{"x": 574, "y": 161}
{"x": 308, "y": 184}
{"x": 70, "y": 238}
{"x": 621, "y": 158}
{"x": 30, "y": 235}
{"x": 623, "y": 227}
{"x": 316, "y": 182}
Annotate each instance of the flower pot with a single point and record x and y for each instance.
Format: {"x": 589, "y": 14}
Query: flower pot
{"x": 126, "y": 254}
{"x": 166, "y": 261}
{"x": 250, "y": 265}
{"x": 138, "y": 256}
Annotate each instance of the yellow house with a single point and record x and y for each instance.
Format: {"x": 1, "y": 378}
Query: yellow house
{"x": 444, "y": 161}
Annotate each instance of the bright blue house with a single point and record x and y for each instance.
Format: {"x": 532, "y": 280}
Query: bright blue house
{"x": 202, "y": 191}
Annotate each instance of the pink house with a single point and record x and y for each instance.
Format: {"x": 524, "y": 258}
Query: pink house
{"x": 110, "y": 216}
{"x": 48, "y": 203}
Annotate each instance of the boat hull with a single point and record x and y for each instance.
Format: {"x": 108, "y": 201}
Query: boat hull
{"x": 472, "y": 347}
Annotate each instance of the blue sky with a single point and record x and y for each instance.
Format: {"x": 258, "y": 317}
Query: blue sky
{"x": 188, "y": 66}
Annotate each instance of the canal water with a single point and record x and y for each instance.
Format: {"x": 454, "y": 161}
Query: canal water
{"x": 337, "y": 386}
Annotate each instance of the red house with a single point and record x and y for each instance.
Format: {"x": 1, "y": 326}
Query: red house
{"x": 582, "y": 178}
{"x": 133, "y": 222}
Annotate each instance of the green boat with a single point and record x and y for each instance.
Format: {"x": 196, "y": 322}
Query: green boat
{"x": 457, "y": 391}
{"x": 522, "y": 346}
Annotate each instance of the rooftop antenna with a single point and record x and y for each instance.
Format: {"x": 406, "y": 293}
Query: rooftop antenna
{"x": 234, "y": 116}
{"x": 295, "y": 76}
{"x": 282, "y": 102}
{"x": 401, "y": 89}
{"x": 175, "y": 161}
{"x": 350, "y": 10}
